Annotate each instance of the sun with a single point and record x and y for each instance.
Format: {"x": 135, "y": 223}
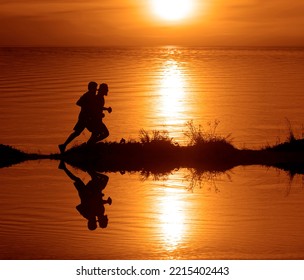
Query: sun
{"x": 172, "y": 10}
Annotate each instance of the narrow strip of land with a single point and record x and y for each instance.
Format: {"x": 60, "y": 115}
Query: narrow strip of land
{"x": 159, "y": 156}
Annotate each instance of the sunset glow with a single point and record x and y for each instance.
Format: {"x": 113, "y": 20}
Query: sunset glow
{"x": 152, "y": 22}
{"x": 159, "y": 138}
{"x": 172, "y": 10}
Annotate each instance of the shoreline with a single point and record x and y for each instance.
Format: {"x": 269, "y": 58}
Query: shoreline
{"x": 162, "y": 156}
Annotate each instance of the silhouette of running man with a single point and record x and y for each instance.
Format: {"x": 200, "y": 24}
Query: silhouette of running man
{"x": 92, "y": 203}
{"x": 96, "y": 125}
{"x": 86, "y": 103}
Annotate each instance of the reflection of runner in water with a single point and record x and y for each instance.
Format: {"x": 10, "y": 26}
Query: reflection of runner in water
{"x": 92, "y": 203}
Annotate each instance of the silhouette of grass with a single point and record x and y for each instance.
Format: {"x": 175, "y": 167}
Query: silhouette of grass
{"x": 198, "y": 135}
{"x": 10, "y": 156}
{"x": 155, "y": 136}
{"x": 156, "y": 152}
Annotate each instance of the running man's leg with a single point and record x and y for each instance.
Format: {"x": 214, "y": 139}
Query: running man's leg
{"x": 93, "y": 138}
{"x": 78, "y": 128}
{"x": 103, "y": 132}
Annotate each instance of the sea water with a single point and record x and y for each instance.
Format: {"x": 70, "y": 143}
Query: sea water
{"x": 255, "y": 94}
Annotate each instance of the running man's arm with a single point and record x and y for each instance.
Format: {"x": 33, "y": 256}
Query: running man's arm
{"x": 109, "y": 109}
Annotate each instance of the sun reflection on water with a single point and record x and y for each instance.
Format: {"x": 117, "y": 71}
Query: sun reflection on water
{"x": 172, "y": 218}
{"x": 172, "y": 93}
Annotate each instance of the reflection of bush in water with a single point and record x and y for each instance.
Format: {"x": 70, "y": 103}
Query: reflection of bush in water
{"x": 193, "y": 178}
{"x": 201, "y": 178}
{"x": 154, "y": 176}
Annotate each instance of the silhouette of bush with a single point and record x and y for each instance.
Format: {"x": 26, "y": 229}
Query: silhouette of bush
{"x": 197, "y": 135}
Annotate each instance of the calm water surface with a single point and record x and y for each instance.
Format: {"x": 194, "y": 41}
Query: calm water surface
{"x": 246, "y": 213}
{"x": 250, "y": 91}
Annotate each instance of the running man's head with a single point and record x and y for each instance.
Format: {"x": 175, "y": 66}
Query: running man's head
{"x": 103, "y": 221}
{"x": 92, "y": 86}
{"x": 103, "y": 89}
{"x": 92, "y": 224}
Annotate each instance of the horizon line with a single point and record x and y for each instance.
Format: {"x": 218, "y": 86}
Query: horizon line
{"x": 152, "y": 46}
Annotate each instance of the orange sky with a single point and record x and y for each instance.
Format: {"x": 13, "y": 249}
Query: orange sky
{"x": 131, "y": 22}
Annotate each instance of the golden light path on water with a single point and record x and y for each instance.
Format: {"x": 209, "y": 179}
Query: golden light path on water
{"x": 172, "y": 219}
{"x": 172, "y": 112}
{"x": 173, "y": 83}
{"x": 173, "y": 210}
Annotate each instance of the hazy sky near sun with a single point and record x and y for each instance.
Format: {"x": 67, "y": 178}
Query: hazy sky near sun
{"x": 132, "y": 22}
